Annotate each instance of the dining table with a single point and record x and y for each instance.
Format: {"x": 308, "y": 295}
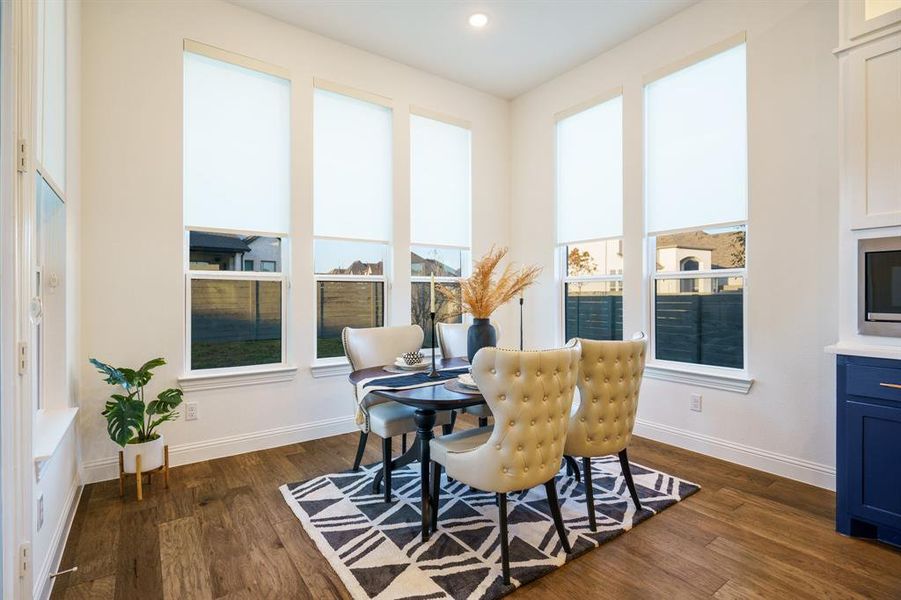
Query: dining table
{"x": 426, "y": 401}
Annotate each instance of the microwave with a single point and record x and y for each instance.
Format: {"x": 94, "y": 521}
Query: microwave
{"x": 879, "y": 289}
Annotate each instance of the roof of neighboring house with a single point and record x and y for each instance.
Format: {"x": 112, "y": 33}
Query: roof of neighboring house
{"x": 430, "y": 265}
{"x": 359, "y": 267}
{"x": 200, "y": 240}
{"x": 723, "y": 247}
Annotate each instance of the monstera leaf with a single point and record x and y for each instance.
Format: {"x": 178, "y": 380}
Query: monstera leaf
{"x": 124, "y": 417}
{"x": 166, "y": 401}
{"x": 113, "y": 375}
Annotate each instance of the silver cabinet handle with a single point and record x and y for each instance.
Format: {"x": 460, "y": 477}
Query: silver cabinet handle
{"x": 896, "y": 386}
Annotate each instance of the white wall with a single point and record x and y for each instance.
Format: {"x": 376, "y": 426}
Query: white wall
{"x": 786, "y": 423}
{"x": 131, "y": 255}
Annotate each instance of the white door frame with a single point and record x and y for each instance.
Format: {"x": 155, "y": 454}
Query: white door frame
{"x": 16, "y": 199}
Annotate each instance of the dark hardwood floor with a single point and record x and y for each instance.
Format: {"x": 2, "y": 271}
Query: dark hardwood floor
{"x": 222, "y": 530}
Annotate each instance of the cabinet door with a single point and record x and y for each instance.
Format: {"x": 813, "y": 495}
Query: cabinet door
{"x": 874, "y": 437}
{"x": 873, "y": 131}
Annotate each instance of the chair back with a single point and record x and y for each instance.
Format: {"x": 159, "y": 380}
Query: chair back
{"x": 530, "y": 395}
{"x": 452, "y": 338}
{"x": 377, "y": 346}
{"x": 610, "y": 375}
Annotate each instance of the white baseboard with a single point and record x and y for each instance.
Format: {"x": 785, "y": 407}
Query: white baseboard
{"x": 799, "y": 469}
{"x": 43, "y": 585}
{"x": 105, "y": 469}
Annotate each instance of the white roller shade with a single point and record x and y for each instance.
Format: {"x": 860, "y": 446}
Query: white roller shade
{"x": 590, "y": 173}
{"x": 440, "y": 183}
{"x": 51, "y": 122}
{"x": 237, "y": 147}
{"x": 352, "y": 185}
{"x": 696, "y": 157}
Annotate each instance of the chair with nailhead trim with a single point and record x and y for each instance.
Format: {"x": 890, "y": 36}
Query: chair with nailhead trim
{"x": 530, "y": 395}
{"x": 609, "y": 381}
{"x": 452, "y": 341}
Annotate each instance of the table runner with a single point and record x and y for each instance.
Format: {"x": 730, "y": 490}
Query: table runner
{"x": 364, "y": 387}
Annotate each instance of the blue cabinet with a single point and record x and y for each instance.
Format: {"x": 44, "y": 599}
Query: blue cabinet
{"x": 868, "y": 448}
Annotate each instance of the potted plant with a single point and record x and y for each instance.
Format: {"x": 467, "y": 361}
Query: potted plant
{"x": 482, "y": 293}
{"x": 132, "y": 422}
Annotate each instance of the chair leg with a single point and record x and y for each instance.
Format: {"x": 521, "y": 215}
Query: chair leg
{"x": 572, "y": 467}
{"x": 447, "y": 429}
{"x": 589, "y": 493}
{"x": 403, "y": 444}
{"x": 483, "y": 421}
{"x": 361, "y": 447}
{"x": 505, "y": 549}
{"x": 436, "y": 494}
{"x": 453, "y": 418}
{"x": 386, "y": 466}
{"x": 551, "y": 488}
{"x": 627, "y": 473}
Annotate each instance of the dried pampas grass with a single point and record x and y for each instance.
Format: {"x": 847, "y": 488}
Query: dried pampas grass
{"x": 480, "y": 294}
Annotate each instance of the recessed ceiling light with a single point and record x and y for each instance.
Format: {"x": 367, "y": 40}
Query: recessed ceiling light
{"x": 478, "y": 20}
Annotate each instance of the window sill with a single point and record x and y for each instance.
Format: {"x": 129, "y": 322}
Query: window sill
{"x": 740, "y": 383}
{"x": 50, "y": 427}
{"x": 217, "y": 381}
{"x": 330, "y": 367}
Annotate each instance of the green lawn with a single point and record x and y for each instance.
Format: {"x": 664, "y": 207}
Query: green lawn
{"x": 329, "y": 347}
{"x": 213, "y": 355}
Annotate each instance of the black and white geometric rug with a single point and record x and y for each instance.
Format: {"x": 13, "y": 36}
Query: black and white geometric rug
{"x": 377, "y": 551}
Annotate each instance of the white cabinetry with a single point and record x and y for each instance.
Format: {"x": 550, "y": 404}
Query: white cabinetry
{"x": 870, "y": 63}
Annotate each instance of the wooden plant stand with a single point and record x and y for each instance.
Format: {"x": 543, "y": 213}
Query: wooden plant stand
{"x": 139, "y": 475}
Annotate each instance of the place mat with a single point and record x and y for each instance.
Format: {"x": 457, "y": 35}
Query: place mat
{"x": 454, "y": 385}
{"x": 376, "y": 549}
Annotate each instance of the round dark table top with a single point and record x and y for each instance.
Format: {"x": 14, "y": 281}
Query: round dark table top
{"x": 432, "y": 397}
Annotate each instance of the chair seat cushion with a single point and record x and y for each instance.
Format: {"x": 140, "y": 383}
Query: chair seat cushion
{"x": 479, "y": 410}
{"x": 462, "y": 441}
{"x": 389, "y": 419}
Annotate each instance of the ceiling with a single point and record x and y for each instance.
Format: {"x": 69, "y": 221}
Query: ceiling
{"x": 525, "y": 43}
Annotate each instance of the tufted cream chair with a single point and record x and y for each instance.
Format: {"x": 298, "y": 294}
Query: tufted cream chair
{"x": 452, "y": 341}
{"x": 530, "y": 395}
{"x": 376, "y": 347}
{"x": 610, "y": 375}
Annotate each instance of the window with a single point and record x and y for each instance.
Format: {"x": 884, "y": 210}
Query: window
{"x": 48, "y": 244}
{"x": 590, "y": 220}
{"x": 50, "y": 134}
{"x": 352, "y": 215}
{"x": 50, "y": 293}
{"x": 440, "y": 204}
{"x": 236, "y": 186}
{"x": 696, "y": 195}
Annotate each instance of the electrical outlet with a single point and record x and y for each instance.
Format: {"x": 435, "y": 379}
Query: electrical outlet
{"x": 40, "y": 512}
{"x": 191, "y": 411}
{"x": 695, "y": 404}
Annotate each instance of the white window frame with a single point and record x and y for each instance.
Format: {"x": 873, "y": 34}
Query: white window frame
{"x": 319, "y": 277}
{"x": 281, "y": 277}
{"x": 566, "y": 279}
{"x": 655, "y": 276}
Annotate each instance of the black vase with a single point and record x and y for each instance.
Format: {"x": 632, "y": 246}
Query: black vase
{"x": 481, "y": 335}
